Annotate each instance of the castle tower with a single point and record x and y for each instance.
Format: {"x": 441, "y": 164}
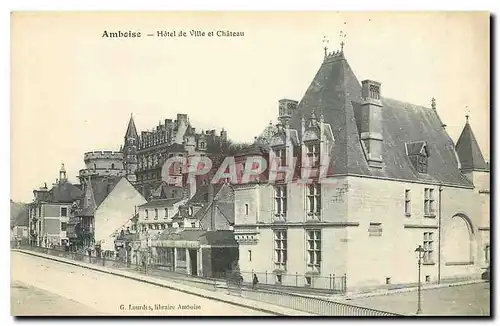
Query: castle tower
{"x": 130, "y": 150}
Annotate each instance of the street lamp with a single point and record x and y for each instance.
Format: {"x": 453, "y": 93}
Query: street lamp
{"x": 420, "y": 254}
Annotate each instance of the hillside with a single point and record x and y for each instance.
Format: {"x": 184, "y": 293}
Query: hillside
{"x": 18, "y": 214}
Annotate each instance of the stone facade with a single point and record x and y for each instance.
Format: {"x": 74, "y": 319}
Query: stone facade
{"x": 391, "y": 180}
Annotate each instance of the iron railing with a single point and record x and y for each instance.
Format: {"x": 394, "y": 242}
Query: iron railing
{"x": 309, "y": 304}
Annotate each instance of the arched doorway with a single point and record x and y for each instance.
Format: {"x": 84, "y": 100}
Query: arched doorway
{"x": 458, "y": 240}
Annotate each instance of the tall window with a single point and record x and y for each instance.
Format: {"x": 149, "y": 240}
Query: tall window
{"x": 166, "y": 212}
{"x": 146, "y": 214}
{"x": 428, "y": 247}
{"x": 428, "y": 201}
{"x": 280, "y": 247}
{"x": 314, "y": 248}
{"x": 64, "y": 226}
{"x": 281, "y": 155}
{"x": 314, "y": 198}
{"x": 246, "y": 209}
{"x": 280, "y": 200}
{"x": 313, "y": 154}
{"x": 156, "y": 213}
{"x": 407, "y": 202}
{"x": 64, "y": 211}
{"x": 487, "y": 254}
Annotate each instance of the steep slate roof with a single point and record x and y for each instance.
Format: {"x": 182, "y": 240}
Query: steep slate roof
{"x": 95, "y": 194}
{"x": 336, "y": 93}
{"x": 468, "y": 150}
{"x": 131, "y": 129}
{"x": 65, "y": 192}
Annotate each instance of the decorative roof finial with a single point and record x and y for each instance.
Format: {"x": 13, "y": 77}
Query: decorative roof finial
{"x": 467, "y": 111}
{"x": 342, "y": 40}
{"x": 325, "y": 42}
{"x": 433, "y": 103}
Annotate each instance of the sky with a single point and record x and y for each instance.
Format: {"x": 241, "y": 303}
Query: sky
{"x": 73, "y": 91}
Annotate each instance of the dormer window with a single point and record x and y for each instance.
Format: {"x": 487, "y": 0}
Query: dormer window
{"x": 313, "y": 153}
{"x": 418, "y": 154}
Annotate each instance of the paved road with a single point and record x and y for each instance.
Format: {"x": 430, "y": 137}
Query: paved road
{"x": 463, "y": 300}
{"x": 44, "y": 287}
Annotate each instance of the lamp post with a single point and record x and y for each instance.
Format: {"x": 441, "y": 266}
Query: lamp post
{"x": 420, "y": 254}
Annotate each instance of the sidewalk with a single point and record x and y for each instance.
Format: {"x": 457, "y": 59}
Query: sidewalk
{"x": 208, "y": 294}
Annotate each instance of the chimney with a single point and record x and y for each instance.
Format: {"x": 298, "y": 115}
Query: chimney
{"x": 371, "y": 123}
{"x": 286, "y": 108}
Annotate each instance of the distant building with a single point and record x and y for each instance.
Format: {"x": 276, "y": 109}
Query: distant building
{"x": 50, "y": 211}
{"x": 189, "y": 235}
{"x": 395, "y": 180}
{"x": 145, "y": 154}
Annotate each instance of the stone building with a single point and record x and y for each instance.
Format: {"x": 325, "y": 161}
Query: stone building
{"x": 394, "y": 180}
{"x": 51, "y": 210}
{"x": 145, "y": 154}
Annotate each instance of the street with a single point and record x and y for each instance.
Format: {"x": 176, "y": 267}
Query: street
{"x": 44, "y": 287}
{"x": 463, "y": 300}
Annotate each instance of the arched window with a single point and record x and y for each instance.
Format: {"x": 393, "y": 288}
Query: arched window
{"x": 112, "y": 166}
{"x": 458, "y": 240}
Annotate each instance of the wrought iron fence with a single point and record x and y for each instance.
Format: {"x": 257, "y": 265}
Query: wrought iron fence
{"x": 294, "y": 282}
{"x": 309, "y": 304}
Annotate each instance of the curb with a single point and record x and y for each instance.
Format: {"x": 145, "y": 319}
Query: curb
{"x": 153, "y": 282}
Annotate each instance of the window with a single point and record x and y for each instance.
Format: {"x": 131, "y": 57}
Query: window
{"x": 280, "y": 200}
{"x": 166, "y": 212}
{"x": 202, "y": 145}
{"x": 181, "y": 254}
{"x": 314, "y": 198}
{"x": 281, "y": 155}
{"x": 280, "y": 247}
{"x": 64, "y": 211}
{"x": 387, "y": 280}
{"x": 308, "y": 281}
{"x": 249, "y": 255}
{"x": 422, "y": 164}
{"x": 313, "y": 153}
{"x": 112, "y": 166}
{"x": 246, "y": 209}
{"x": 63, "y": 226}
{"x": 375, "y": 229}
{"x": 487, "y": 254}
{"x": 407, "y": 202}
{"x": 429, "y": 201}
{"x": 169, "y": 225}
{"x": 156, "y": 213}
{"x": 181, "y": 225}
{"x": 190, "y": 211}
{"x": 428, "y": 248}
{"x": 193, "y": 225}
{"x": 278, "y": 278}
{"x": 427, "y": 278}
{"x": 146, "y": 214}
{"x": 314, "y": 248}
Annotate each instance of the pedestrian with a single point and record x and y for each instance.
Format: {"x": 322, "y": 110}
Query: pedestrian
{"x": 255, "y": 281}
